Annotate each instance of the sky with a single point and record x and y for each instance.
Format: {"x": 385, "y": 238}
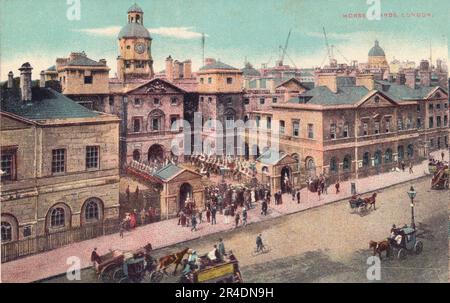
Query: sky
{"x": 39, "y": 31}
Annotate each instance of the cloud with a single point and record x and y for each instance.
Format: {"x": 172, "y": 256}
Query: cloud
{"x": 184, "y": 32}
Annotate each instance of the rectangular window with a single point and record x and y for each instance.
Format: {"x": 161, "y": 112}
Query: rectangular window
{"x": 173, "y": 119}
{"x": 296, "y": 129}
{"x": 400, "y": 124}
{"x": 388, "y": 126}
{"x": 202, "y": 80}
{"x": 345, "y": 132}
{"x": 430, "y": 106}
{"x": 438, "y": 121}
{"x": 258, "y": 119}
{"x": 445, "y": 120}
{"x": 333, "y": 131}
{"x": 87, "y": 79}
{"x": 136, "y": 125}
{"x": 202, "y": 99}
{"x": 92, "y": 156}
{"x": 445, "y": 105}
{"x": 365, "y": 129}
{"x": 111, "y": 100}
{"x": 310, "y": 131}
{"x": 419, "y": 123}
{"x": 174, "y": 101}
{"x": 377, "y": 128}
{"x": 274, "y": 100}
{"x": 262, "y": 101}
{"x": 155, "y": 124}
{"x": 269, "y": 122}
{"x": 137, "y": 102}
{"x": 246, "y": 101}
{"x": 209, "y": 99}
{"x": 418, "y": 107}
{"x": 430, "y": 122}
{"x": 58, "y": 161}
{"x": 209, "y": 80}
{"x": 156, "y": 101}
{"x": 229, "y": 80}
{"x": 431, "y": 142}
{"x": 8, "y": 165}
{"x": 229, "y": 101}
{"x": 282, "y": 127}
{"x": 438, "y": 106}
{"x": 409, "y": 122}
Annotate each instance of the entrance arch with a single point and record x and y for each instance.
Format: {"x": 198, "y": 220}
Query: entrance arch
{"x": 285, "y": 179}
{"x": 310, "y": 166}
{"x": 155, "y": 152}
{"x": 185, "y": 192}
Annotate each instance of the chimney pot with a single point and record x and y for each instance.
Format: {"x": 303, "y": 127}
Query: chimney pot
{"x": 10, "y": 79}
{"x": 42, "y": 80}
{"x": 25, "y": 81}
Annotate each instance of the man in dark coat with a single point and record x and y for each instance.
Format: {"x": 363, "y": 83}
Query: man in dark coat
{"x": 213, "y": 215}
{"x": 298, "y": 196}
{"x": 264, "y": 208}
{"x": 95, "y": 258}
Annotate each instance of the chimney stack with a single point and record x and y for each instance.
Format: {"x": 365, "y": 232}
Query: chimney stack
{"x": 10, "y": 79}
{"x": 176, "y": 69}
{"x": 187, "y": 69}
{"x": 367, "y": 80}
{"x": 410, "y": 78}
{"x": 42, "y": 81}
{"x": 25, "y": 81}
{"x": 400, "y": 80}
{"x": 327, "y": 79}
{"x": 169, "y": 69}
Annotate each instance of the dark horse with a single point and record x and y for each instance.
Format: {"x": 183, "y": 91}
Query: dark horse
{"x": 371, "y": 201}
{"x": 175, "y": 258}
{"x": 379, "y": 247}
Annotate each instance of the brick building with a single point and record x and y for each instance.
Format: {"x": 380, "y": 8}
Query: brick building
{"x": 59, "y": 161}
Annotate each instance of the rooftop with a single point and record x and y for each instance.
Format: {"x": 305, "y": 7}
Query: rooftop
{"x": 134, "y": 30}
{"x": 217, "y": 65}
{"x": 271, "y": 157}
{"x": 376, "y": 50}
{"x": 400, "y": 93}
{"x": 168, "y": 172}
{"x": 322, "y": 95}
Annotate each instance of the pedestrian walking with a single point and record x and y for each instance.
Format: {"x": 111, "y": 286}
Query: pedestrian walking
{"x": 208, "y": 215}
{"x": 403, "y": 165}
{"x": 411, "y": 168}
{"x": 319, "y": 192}
{"x": 194, "y": 223}
{"x": 143, "y": 216}
{"x": 244, "y": 216}
{"x": 264, "y": 208}
{"x": 298, "y": 196}
{"x": 337, "y": 186}
{"x": 221, "y": 248}
{"x": 442, "y": 154}
{"x": 121, "y": 229}
{"x": 213, "y": 215}
{"x": 200, "y": 217}
{"x": 293, "y": 192}
{"x": 237, "y": 218}
{"x": 95, "y": 258}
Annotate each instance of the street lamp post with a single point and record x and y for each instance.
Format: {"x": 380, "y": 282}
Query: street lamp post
{"x": 412, "y": 194}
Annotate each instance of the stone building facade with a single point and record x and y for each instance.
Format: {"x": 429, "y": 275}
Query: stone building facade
{"x": 59, "y": 162}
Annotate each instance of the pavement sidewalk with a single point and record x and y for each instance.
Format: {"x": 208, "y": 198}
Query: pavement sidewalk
{"x": 168, "y": 232}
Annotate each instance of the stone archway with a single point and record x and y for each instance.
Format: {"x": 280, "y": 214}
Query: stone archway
{"x": 185, "y": 192}
{"x": 156, "y": 152}
{"x": 310, "y": 166}
{"x": 9, "y": 228}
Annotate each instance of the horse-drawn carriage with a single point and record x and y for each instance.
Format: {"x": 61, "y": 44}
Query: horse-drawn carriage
{"x": 401, "y": 242}
{"x": 441, "y": 175}
{"x": 124, "y": 267}
{"x": 359, "y": 204}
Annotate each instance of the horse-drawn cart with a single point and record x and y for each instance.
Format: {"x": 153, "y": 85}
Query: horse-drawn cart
{"x": 226, "y": 271}
{"x": 125, "y": 267}
{"x": 441, "y": 176}
{"x": 359, "y": 204}
{"x": 405, "y": 241}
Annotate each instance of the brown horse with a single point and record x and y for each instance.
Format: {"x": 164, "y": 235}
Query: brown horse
{"x": 371, "y": 201}
{"x": 175, "y": 258}
{"x": 379, "y": 247}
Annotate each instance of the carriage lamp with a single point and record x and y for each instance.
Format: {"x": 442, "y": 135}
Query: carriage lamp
{"x": 412, "y": 194}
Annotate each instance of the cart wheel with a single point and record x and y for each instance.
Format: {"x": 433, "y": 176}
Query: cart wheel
{"x": 106, "y": 275}
{"x": 401, "y": 254}
{"x": 418, "y": 247}
{"x": 118, "y": 275}
{"x": 156, "y": 276}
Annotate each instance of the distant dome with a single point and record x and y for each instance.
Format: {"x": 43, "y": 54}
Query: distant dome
{"x": 134, "y": 30}
{"x": 249, "y": 70}
{"x": 135, "y": 9}
{"x": 376, "y": 51}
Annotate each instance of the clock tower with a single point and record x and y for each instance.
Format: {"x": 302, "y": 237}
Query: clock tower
{"x": 135, "y": 59}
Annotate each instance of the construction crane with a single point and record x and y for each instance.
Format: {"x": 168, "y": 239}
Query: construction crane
{"x": 330, "y": 55}
{"x": 283, "y": 54}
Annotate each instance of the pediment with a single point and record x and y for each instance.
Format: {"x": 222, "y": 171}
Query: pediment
{"x": 156, "y": 86}
{"x": 185, "y": 175}
{"x": 377, "y": 100}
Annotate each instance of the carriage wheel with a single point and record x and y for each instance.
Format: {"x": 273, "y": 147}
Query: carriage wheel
{"x": 118, "y": 275}
{"x": 401, "y": 254}
{"x": 418, "y": 247}
{"x": 156, "y": 276}
{"x": 106, "y": 275}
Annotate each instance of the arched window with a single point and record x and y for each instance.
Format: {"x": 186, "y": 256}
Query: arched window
{"x": 400, "y": 152}
{"x": 156, "y": 120}
{"x": 6, "y": 232}
{"x": 366, "y": 159}
{"x": 334, "y": 165}
{"x": 136, "y": 155}
{"x": 57, "y": 218}
{"x": 310, "y": 165}
{"x": 265, "y": 169}
{"x": 388, "y": 156}
{"x": 377, "y": 158}
{"x": 91, "y": 212}
{"x": 347, "y": 164}
{"x": 410, "y": 151}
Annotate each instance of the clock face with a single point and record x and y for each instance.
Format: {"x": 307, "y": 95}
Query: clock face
{"x": 139, "y": 48}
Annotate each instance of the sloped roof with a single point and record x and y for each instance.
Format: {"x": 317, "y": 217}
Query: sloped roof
{"x": 400, "y": 93}
{"x": 46, "y": 104}
{"x": 168, "y": 172}
{"x": 249, "y": 70}
{"x": 218, "y": 65}
{"x": 322, "y": 95}
{"x": 270, "y": 157}
{"x": 52, "y": 68}
{"x": 84, "y": 61}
